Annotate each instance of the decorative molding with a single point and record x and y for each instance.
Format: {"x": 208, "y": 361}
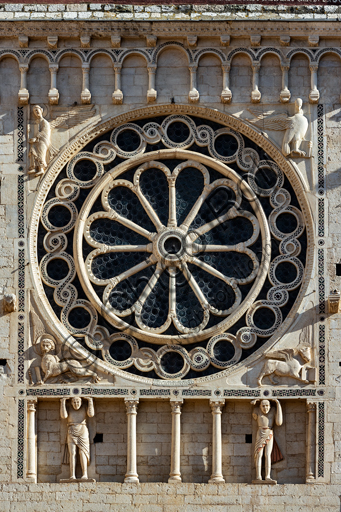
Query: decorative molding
{"x": 21, "y": 438}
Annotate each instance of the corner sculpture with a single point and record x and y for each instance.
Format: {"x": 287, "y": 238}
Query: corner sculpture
{"x": 53, "y": 366}
{"x": 286, "y": 363}
{"x": 77, "y": 435}
{"x": 41, "y": 150}
{"x": 295, "y": 127}
{"x": 265, "y": 443}
{"x": 10, "y": 303}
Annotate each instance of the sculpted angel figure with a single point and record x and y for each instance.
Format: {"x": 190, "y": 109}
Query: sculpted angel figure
{"x": 78, "y": 433}
{"x": 266, "y": 417}
{"x": 39, "y": 144}
{"x": 295, "y": 127}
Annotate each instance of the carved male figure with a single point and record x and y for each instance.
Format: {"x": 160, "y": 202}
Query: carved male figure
{"x": 39, "y": 144}
{"x": 265, "y": 417}
{"x": 53, "y": 367}
{"x": 78, "y": 433}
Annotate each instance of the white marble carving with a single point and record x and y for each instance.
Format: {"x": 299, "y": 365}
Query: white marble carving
{"x": 55, "y": 367}
{"x": 266, "y": 417}
{"x": 10, "y": 303}
{"x": 287, "y": 363}
{"x": 39, "y": 144}
{"x": 78, "y": 434}
{"x": 334, "y": 299}
{"x": 295, "y": 127}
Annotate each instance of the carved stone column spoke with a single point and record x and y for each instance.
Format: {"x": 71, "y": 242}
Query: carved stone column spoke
{"x": 226, "y": 95}
{"x": 311, "y": 442}
{"x": 314, "y": 94}
{"x": 131, "y": 474}
{"x": 86, "y": 94}
{"x": 285, "y": 93}
{"x": 117, "y": 95}
{"x": 255, "y": 94}
{"x": 31, "y": 441}
{"x": 217, "y": 475}
{"x": 193, "y": 93}
{"x": 23, "y": 94}
{"x": 175, "y": 474}
{"x": 53, "y": 94}
{"x": 151, "y": 93}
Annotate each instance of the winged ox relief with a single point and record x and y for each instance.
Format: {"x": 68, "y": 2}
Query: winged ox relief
{"x": 62, "y": 118}
{"x": 51, "y": 364}
{"x": 295, "y": 129}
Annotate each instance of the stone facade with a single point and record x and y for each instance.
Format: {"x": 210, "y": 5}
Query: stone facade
{"x": 170, "y": 254}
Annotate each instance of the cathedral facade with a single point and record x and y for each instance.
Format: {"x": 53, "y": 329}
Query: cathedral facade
{"x": 170, "y": 257}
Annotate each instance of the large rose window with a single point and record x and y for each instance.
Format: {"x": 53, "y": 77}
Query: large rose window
{"x": 172, "y": 248}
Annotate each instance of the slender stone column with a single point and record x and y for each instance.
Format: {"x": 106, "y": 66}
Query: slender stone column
{"x": 31, "y": 441}
{"x": 117, "y": 95}
{"x": 226, "y": 94}
{"x": 314, "y": 94}
{"x": 193, "y": 93}
{"x": 23, "y": 94}
{"x": 255, "y": 94}
{"x": 53, "y": 94}
{"x": 311, "y": 442}
{"x": 151, "y": 93}
{"x": 217, "y": 474}
{"x": 86, "y": 94}
{"x": 285, "y": 93}
{"x": 131, "y": 474}
{"x": 175, "y": 474}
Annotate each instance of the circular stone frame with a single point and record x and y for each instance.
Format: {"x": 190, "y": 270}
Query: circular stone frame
{"x": 90, "y": 133}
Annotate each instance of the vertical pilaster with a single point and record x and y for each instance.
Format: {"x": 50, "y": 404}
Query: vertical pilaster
{"x": 193, "y": 95}
{"x": 311, "y": 442}
{"x": 285, "y": 93}
{"x": 226, "y": 94}
{"x": 131, "y": 474}
{"x": 53, "y": 94}
{"x": 117, "y": 95}
{"x": 86, "y": 94}
{"x": 151, "y": 93}
{"x": 175, "y": 473}
{"x": 217, "y": 469}
{"x": 31, "y": 441}
{"x": 314, "y": 94}
{"x": 23, "y": 94}
{"x": 255, "y": 94}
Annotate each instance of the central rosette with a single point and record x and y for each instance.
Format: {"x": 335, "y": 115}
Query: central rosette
{"x": 172, "y": 248}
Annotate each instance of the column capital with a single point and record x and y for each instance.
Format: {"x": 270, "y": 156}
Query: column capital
{"x": 311, "y": 406}
{"x": 23, "y": 68}
{"x": 117, "y": 66}
{"x": 53, "y": 67}
{"x": 31, "y": 404}
{"x": 285, "y": 66}
{"x": 216, "y": 406}
{"x": 226, "y": 68}
{"x": 193, "y": 66}
{"x": 313, "y": 68}
{"x": 176, "y": 406}
{"x": 131, "y": 406}
{"x": 86, "y": 66}
{"x": 256, "y": 66}
{"x": 151, "y": 67}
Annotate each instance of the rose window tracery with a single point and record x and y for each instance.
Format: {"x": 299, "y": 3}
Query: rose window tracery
{"x": 172, "y": 248}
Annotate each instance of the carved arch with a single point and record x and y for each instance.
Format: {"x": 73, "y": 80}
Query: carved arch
{"x": 100, "y": 51}
{"x": 325, "y": 51}
{"x": 244, "y": 51}
{"x": 38, "y": 53}
{"x": 134, "y": 51}
{"x": 303, "y": 51}
{"x": 171, "y": 44}
{"x": 11, "y": 53}
{"x": 213, "y": 51}
{"x": 69, "y": 51}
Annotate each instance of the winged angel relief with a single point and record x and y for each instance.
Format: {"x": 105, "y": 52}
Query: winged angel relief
{"x": 295, "y": 127}
{"x": 41, "y": 150}
{"x": 54, "y": 367}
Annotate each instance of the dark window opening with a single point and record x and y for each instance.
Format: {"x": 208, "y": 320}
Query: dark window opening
{"x": 248, "y": 438}
{"x": 338, "y": 269}
{"x": 3, "y": 362}
{"x": 98, "y": 438}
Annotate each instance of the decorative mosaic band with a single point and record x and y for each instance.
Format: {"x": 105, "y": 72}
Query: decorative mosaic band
{"x": 294, "y": 392}
{"x": 242, "y": 392}
{"x": 108, "y": 391}
{"x": 153, "y": 392}
{"x": 320, "y": 459}
{"x": 322, "y": 352}
{"x": 47, "y": 392}
{"x": 321, "y": 281}
{"x": 196, "y": 392}
{"x": 21, "y": 438}
{"x": 20, "y": 134}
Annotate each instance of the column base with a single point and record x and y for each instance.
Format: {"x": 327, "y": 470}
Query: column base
{"x": 268, "y": 481}
{"x": 86, "y": 97}
{"x": 76, "y": 480}
{"x": 174, "y": 479}
{"x": 151, "y": 95}
{"x": 216, "y": 480}
{"x": 193, "y": 96}
{"x": 256, "y": 96}
{"x": 23, "y": 97}
{"x": 285, "y": 96}
{"x": 314, "y": 96}
{"x": 53, "y": 96}
{"x": 117, "y": 97}
{"x": 226, "y": 96}
{"x": 131, "y": 480}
